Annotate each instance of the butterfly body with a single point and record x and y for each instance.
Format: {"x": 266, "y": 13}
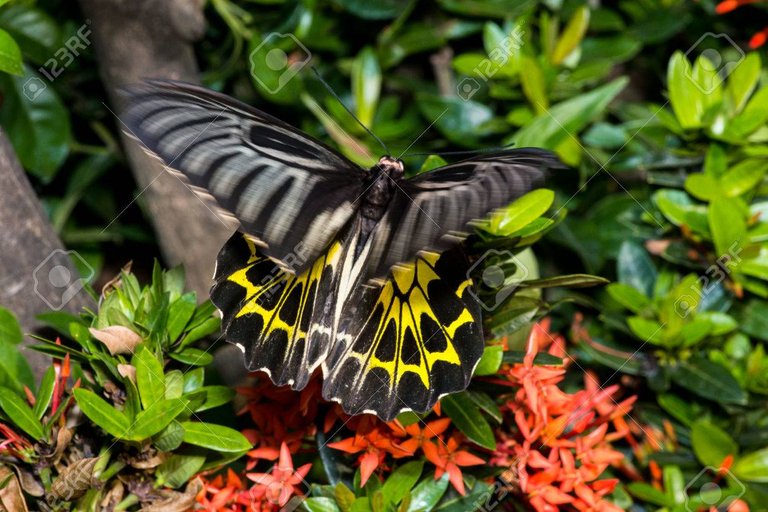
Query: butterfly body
{"x": 358, "y": 272}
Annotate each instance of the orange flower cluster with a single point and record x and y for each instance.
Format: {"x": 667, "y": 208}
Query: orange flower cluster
{"x": 563, "y": 444}
{"x": 374, "y": 440}
{"x": 282, "y": 419}
{"x": 726, "y": 6}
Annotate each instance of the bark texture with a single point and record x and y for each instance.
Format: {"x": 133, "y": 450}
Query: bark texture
{"x": 138, "y": 39}
{"x": 36, "y": 273}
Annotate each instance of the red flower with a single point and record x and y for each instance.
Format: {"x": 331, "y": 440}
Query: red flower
{"x": 447, "y": 458}
{"x": 284, "y": 481}
{"x": 375, "y": 445}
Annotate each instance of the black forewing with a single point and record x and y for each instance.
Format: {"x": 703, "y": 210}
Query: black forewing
{"x": 291, "y": 193}
{"x": 433, "y": 211}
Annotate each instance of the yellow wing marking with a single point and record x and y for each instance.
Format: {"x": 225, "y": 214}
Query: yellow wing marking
{"x": 412, "y": 281}
{"x": 255, "y": 292}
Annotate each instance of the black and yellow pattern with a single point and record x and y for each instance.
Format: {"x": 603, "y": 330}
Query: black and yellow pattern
{"x": 397, "y": 347}
{"x": 416, "y": 338}
{"x": 359, "y": 271}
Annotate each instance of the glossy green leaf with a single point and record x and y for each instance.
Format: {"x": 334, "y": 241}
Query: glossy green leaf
{"x": 178, "y": 469}
{"x": 752, "y": 467}
{"x": 572, "y": 35}
{"x": 111, "y": 420}
{"x": 193, "y": 356}
{"x": 635, "y": 268}
{"x": 711, "y": 444}
{"x": 702, "y": 186}
{"x": 647, "y": 492}
{"x": 36, "y": 32}
{"x": 156, "y": 417}
{"x": 490, "y": 361}
{"x": 521, "y": 212}
{"x": 684, "y": 93}
{"x": 727, "y": 224}
{"x": 20, "y": 413}
{"x": 647, "y": 330}
{"x": 743, "y": 176}
{"x": 567, "y": 118}
{"x": 459, "y": 120}
{"x": 15, "y": 371}
{"x": 467, "y": 418}
{"x": 36, "y": 121}
{"x": 715, "y": 161}
{"x": 215, "y": 396}
{"x": 401, "y": 481}
{"x": 709, "y": 380}
{"x": 45, "y": 392}
{"x": 10, "y": 330}
{"x": 10, "y": 55}
{"x": 427, "y": 494}
{"x": 214, "y": 437}
{"x": 179, "y": 314}
{"x": 320, "y": 504}
{"x": 150, "y": 377}
{"x": 534, "y": 85}
{"x": 366, "y": 85}
{"x": 628, "y": 296}
{"x": 742, "y": 81}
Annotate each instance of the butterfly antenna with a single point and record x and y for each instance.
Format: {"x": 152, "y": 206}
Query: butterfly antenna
{"x": 330, "y": 90}
{"x": 468, "y": 152}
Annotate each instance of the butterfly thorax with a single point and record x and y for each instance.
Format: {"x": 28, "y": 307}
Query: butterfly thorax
{"x": 384, "y": 176}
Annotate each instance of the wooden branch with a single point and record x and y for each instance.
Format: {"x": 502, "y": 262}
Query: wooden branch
{"x": 36, "y": 273}
{"x": 152, "y": 39}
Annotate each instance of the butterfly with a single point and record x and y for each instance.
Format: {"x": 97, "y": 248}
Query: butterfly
{"x": 359, "y": 272}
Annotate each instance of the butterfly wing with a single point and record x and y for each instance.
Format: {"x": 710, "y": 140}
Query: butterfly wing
{"x": 434, "y": 210}
{"x": 405, "y": 344}
{"x": 279, "y": 320}
{"x": 284, "y": 187}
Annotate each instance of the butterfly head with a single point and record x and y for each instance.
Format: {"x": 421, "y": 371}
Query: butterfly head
{"x": 391, "y": 166}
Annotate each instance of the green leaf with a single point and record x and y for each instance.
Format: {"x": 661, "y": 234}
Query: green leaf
{"x": 150, "y": 378}
{"x": 490, "y": 361}
{"x": 193, "y": 356}
{"x": 320, "y": 504}
{"x": 426, "y": 495}
{"x": 156, "y": 417}
{"x": 647, "y": 492}
{"x": 702, "y": 186}
{"x": 567, "y": 280}
{"x": 716, "y": 161}
{"x": 10, "y": 55}
{"x": 15, "y": 372}
{"x": 45, "y": 392}
{"x": 711, "y": 444}
{"x": 728, "y": 225}
{"x": 684, "y": 94}
{"x": 37, "y": 123}
{"x": 170, "y": 438}
{"x": 647, "y": 330}
{"x": 709, "y": 380}
{"x": 214, "y": 437}
{"x": 177, "y": 469}
{"x": 381, "y": 10}
{"x": 752, "y": 467}
{"x": 366, "y": 85}
{"x": 10, "y": 330}
{"x": 179, "y": 314}
{"x": 486, "y": 404}
{"x": 215, "y": 396}
{"x": 521, "y": 212}
{"x": 742, "y": 81}
{"x": 401, "y": 481}
{"x": 111, "y": 420}
{"x": 20, "y": 413}
{"x": 467, "y": 418}
{"x": 36, "y": 32}
{"x": 566, "y": 119}
{"x": 208, "y": 326}
{"x": 628, "y": 296}
{"x": 572, "y": 35}
{"x": 635, "y": 268}
{"x": 743, "y": 176}
{"x": 459, "y": 120}
{"x": 534, "y": 86}
{"x": 432, "y": 162}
